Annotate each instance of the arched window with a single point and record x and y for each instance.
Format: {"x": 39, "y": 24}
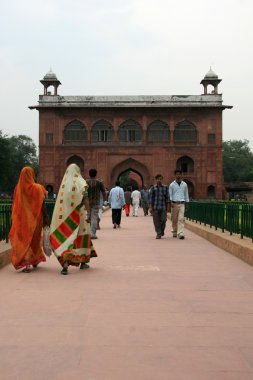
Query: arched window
{"x": 186, "y": 164}
{"x": 75, "y": 131}
{"x": 185, "y": 132}
{"x": 158, "y": 131}
{"x": 211, "y": 192}
{"x": 76, "y": 160}
{"x": 191, "y": 189}
{"x": 101, "y": 131}
{"x": 130, "y": 132}
{"x": 50, "y": 191}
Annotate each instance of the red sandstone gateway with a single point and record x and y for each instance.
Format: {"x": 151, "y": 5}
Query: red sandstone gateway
{"x": 145, "y": 135}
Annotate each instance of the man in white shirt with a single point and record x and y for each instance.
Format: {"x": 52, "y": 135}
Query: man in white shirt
{"x": 136, "y": 197}
{"x": 116, "y": 201}
{"x": 179, "y": 199}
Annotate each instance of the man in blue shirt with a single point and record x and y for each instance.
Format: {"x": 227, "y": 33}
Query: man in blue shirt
{"x": 159, "y": 205}
{"x": 117, "y": 201}
{"x": 179, "y": 199}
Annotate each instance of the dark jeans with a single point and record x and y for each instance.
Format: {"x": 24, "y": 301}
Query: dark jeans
{"x": 144, "y": 205}
{"x": 116, "y": 215}
{"x": 159, "y": 219}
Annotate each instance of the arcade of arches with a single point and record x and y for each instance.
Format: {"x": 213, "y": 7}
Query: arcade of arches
{"x": 155, "y": 156}
{"x": 131, "y": 173}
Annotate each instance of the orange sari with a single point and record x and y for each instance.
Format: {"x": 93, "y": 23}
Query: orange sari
{"x": 27, "y": 221}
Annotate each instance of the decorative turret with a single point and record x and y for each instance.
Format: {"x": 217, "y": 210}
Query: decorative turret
{"x": 50, "y": 79}
{"x": 212, "y": 79}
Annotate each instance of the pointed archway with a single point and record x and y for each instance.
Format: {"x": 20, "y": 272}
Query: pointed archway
{"x": 76, "y": 160}
{"x": 131, "y": 178}
{"x": 130, "y": 165}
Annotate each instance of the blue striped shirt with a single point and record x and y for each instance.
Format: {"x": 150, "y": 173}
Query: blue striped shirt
{"x": 159, "y": 197}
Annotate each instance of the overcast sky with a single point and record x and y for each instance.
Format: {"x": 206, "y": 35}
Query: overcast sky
{"x": 125, "y": 47}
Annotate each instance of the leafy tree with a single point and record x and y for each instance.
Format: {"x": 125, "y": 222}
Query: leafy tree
{"x": 5, "y": 161}
{"x": 237, "y": 161}
{"x": 15, "y": 153}
{"x": 124, "y": 179}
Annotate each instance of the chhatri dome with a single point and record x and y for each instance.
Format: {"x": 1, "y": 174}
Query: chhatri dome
{"x": 50, "y": 75}
{"x": 50, "y": 79}
{"x": 211, "y": 79}
{"x": 211, "y": 74}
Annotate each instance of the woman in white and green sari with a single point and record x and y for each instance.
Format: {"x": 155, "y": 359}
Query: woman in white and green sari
{"x": 70, "y": 234}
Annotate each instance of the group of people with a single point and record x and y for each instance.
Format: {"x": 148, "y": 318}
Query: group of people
{"x": 158, "y": 200}
{"x": 77, "y": 213}
{"x": 173, "y": 198}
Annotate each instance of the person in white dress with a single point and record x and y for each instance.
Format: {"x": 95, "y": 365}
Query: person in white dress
{"x": 136, "y": 197}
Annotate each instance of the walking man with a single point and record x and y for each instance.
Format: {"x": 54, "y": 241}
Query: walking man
{"x": 145, "y": 199}
{"x": 96, "y": 187}
{"x": 117, "y": 201}
{"x": 179, "y": 198}
{"x": 159, "y": 205}
{"x": 136, "y": 197}
{"x": 127, "y": 195}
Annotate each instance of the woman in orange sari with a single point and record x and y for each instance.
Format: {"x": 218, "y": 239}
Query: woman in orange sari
{"x": 70, "y": 234}
{"x": 27, "y": 222}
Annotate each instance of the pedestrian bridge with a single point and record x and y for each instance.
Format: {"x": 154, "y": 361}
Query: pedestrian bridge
{"x": 146, "y": 309}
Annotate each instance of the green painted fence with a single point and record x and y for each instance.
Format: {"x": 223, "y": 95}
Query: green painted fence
{"x": 236, "y": 218}
{"x": 5, "y": 218}
{"x": 5, "y": 221}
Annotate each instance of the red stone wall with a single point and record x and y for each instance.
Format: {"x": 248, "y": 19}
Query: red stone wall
{"x": 146, "y": 158}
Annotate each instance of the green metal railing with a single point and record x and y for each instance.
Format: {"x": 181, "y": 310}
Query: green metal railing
{"x": 236, "y": 218}
{"x": 50, "y": 209}
{"x": 5, "y": 218}
{"x": 5, "y": 221}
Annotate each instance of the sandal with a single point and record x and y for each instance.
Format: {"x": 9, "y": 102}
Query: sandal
{"x": 84, "y": 266}
{"x": 65, "y": 268}
{"x": 26, "y": 269}
{"x": 64, "y": 271}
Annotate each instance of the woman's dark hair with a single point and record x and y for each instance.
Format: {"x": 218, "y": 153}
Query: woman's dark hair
{"x": 117, "y": 183}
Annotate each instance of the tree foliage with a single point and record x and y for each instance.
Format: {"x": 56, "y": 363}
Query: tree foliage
{"x": 15, "y": 153}
{"x": 237, "y": 161}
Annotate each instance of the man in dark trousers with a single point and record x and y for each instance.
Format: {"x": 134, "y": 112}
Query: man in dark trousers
{"x": 159, "y": 205}
{"x": 116, "y": 201}
{"x": 95, "y": 187}
{"x": 145, "y": 199}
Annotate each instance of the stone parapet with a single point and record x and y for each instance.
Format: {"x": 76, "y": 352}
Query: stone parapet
{"x": 5, "y": 250}
{"x": 241, "y": 248}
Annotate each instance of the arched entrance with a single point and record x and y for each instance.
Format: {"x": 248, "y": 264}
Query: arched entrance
{"x": 186, "y": 164}
{"x": 130, "y": 178}
{"x": 211, "y": 192}
{"x": 190, "y": 188}
{"x": 76, "y": 160}
{"x": 132, "y": 169}
{"x": 50, "y": 191}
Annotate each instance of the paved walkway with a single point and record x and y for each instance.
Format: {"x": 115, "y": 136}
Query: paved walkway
{"x": 147, "y": 309}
